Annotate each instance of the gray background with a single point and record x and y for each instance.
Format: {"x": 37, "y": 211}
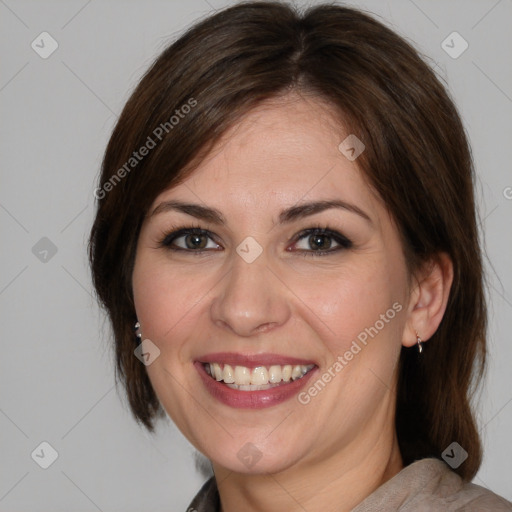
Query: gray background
{"x": 57, "y": 113}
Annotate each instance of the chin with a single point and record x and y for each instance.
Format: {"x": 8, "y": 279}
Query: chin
{"x": 253, "y": 459}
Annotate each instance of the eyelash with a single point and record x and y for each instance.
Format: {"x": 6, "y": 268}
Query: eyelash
{"x": 177, "y": 232}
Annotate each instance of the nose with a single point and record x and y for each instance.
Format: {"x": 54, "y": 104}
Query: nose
{"x": 251, "y": 299}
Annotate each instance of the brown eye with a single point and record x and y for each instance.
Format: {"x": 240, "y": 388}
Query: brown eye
{"x": 195, "y": 241}
{"x": 320, "y": 241}
{"x": 189, "y": 239}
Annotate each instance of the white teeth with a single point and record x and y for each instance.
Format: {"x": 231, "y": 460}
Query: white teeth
{"x": 228, "y": 374}
{"x": 261, "y": 377}
{"x": 218, "y": 372}
{"x": 286, "y": 372}
{"x": 242, "y": 375}
{"x": 296, "y": 372}
{"x": 274, "y": 374}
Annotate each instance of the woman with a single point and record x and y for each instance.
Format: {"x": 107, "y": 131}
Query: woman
{"x": 286, "y": 218}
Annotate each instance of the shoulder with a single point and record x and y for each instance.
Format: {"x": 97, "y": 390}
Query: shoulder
{"x": 430, "y": 485}
{"x": 456, "y": 495}
{"x": 474, "y": 498}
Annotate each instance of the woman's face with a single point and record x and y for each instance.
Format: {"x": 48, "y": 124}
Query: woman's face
{"x": 260, "y": 297}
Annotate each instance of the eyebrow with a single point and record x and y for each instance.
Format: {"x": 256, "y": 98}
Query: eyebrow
{"x": 285, "y": 217}
{"x": 195, "y": 210}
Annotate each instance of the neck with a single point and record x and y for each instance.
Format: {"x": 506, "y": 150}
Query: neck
{"x": 336, "y": 483}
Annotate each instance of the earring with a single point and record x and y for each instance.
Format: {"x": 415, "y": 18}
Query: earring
{"x": 418, "y": 341}
{"x": 138, "y": 334}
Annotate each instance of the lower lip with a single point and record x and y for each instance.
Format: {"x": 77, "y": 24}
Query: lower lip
{"x": 252, "y": 399}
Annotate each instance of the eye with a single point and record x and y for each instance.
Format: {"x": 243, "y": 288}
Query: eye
{"x": 193, "y": 239}
{"x": 190, "y": 239}
{"x": 321, "y": 241}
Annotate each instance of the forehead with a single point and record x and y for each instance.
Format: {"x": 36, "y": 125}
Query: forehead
{"x": 283, "y": 151}
{"x": 279, "y": 135}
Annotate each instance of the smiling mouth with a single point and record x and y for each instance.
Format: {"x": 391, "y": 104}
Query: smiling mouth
{"x": 259, "y": 378}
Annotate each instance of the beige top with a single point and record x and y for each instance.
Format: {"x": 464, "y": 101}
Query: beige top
{"x": 427, "y": 485}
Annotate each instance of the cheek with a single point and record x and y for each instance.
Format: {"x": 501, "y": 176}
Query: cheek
{"x": 343, "y": 302}
{"x": 164, "y": 297}
{"x": 165, "y": 302}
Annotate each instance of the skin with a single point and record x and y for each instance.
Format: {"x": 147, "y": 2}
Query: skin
{"x": 332, "y": 452}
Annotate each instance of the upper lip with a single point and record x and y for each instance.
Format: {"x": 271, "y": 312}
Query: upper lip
{"x": 252, "y": 360}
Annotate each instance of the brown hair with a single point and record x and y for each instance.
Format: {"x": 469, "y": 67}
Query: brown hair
{"x": 417, "y": 158}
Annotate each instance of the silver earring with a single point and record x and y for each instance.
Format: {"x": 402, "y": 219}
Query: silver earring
{"x": 138, "y": 334}
{"x": 418, "y": 341}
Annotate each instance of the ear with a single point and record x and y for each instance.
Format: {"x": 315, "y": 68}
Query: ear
{"x": 428, "y": 299}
